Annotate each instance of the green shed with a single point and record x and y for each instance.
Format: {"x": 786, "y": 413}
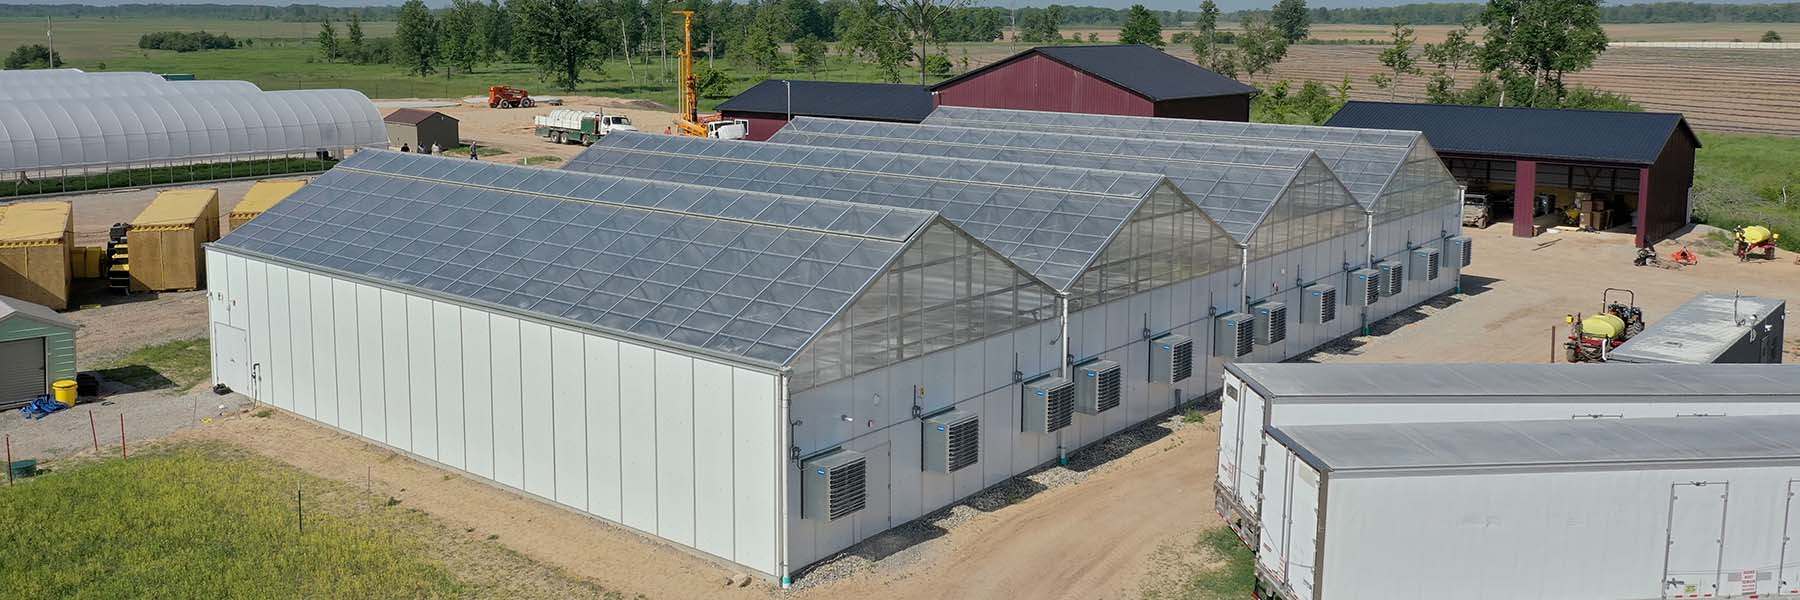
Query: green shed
{"x": 37, "y": 347}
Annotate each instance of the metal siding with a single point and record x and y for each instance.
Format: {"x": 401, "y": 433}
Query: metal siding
{"x": 568, "y": 405}
{"x": 1218, "y": 108}
{"x": 604, "y": 420}
{"x": 300, "y": 326}
{"x": 346, "y": 345}
{"x": 324, "y": 348}
{"x": 1039, "y": 83}
{"x": 258, "y": 302}
{"x": 278, "y": 372}
{"x": 637, "y": 435}
{"x": 509, "y": 423}
{"x": 373, "y": 369}
{"x": 237, "y": 283}
{"x": 999, "y": 424}
{"x": 536, "y": 419}
{"x": 674, "y": 448}
{"x": 422, "y": 356}
{"x": 756, "y": 461}
{"x": 446, "y": 321}
{"x": 478, "y": 393}
{"x": 714, "y": 465}
{"x": 398, "y": 365}
{"x": 762, "y": 125}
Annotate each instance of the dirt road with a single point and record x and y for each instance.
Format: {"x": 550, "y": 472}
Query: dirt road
{"x": 510, "y": 129}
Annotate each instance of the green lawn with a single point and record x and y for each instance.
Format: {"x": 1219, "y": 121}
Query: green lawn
{"x": 1749, "y": 180}
{"x": 179, "y": 364}
{"x": 205, "y": 521}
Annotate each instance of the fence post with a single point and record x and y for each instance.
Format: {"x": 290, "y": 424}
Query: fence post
{"x": 93, "y": 430}
{"x": 1552, "y": 344}
{"x": 123, "y": 453}
{"x": 9, "y": 477}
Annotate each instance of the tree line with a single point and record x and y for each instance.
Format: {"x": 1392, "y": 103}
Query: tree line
{"x": 241, "y": 12}
{"x": 187, "y": 41}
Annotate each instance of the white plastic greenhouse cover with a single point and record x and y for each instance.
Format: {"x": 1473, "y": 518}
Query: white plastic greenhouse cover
{"x": 97, "y": 132}
{"x": 120, "y": 88}
{"x": 12, "y": 77}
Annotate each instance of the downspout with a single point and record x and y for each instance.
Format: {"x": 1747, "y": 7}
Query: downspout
{"x": 784, "y": 434}
{"x": 1062, "y": 309}
{"x": 1369, "y": 219}
{"x": 1244, "y": 279}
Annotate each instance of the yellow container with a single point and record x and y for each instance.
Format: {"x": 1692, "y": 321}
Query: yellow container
{"x": 65, "y": 391}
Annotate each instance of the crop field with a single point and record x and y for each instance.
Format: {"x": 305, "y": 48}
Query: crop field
{"x": 86, "y": 41}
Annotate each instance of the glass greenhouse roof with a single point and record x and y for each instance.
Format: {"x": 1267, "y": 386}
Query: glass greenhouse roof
{"x": 1236, "y": 185}
{"x": 1051, "y": 221}
{"x": 1364, "y": 159}
{"x": 744, "y": 275}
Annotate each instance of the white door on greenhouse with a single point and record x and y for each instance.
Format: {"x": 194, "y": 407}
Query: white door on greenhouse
{"x": 1696, "y": 539}
{"x": 231, "y": 356}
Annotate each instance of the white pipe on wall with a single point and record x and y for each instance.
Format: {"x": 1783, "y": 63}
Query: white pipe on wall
{"x": 1244, "y": 279}
{"x": 784, "y": 428}
{"x": 1369, "y": 219}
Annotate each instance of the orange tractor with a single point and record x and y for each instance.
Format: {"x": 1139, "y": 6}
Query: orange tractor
{"x": 501, "y": 96}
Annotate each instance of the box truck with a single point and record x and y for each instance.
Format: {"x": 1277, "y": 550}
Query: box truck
{"x": 1257, "y": 396}
{"x": 1586, "y": 509}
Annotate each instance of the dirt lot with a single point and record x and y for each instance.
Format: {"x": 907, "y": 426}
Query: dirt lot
{"x": 511, "y": 129}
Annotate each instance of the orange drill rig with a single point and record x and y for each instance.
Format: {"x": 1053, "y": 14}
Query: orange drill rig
{"x": 691, "y": 122}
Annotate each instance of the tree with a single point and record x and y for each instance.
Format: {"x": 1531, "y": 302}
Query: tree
{"x": 938, "y": 65}
{"x": 353, "y": 44}
{"x": 34, "y": 56}
{"x": 1398, "y": 60}
{"x": 559, "y": 36}
{"x": 328, "y": 41}
{"x": 497, "y": 29}
{"x": 463, "y": 40}
{"x": 1291, "y": 18}
{"x": 809, "y": 53}
{"x": 711, "y": 83}
{"x": 1312, "y": 105}
{"x": 1094, "y": 38}
{"x": 1450, "y": 56}
{"x": 1141, "y": 27}
{"x": 921, "y": 19}
{"x": 1770, "y": 37}
{"x": 1206, "y": 33}
{"x": 763, "y": 46}
{"x": 416, "y": 39}
{"x": 1259, "y": 47}
{"x": 1531, "y": 44}
{"x": 1041, "y": 26}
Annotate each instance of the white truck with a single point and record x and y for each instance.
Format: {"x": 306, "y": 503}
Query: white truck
{"x": 565, "y": 126}
{"x": 1259, "y": 396}
{"x": 1572, "y": 509}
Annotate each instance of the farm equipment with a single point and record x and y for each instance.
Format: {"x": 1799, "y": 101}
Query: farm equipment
{"x": 1754, "y": 240}
{"x": 1595, "y": 336}
{"x": 691, "y": 122}
{"x": 579, "y": 126}
{"x": 502, "y": 96}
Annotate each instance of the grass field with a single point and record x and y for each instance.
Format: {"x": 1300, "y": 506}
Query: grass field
{"x": 179, "y": 364}
{"x": 1750, "y": 180}
{"x": 204, "y": 521}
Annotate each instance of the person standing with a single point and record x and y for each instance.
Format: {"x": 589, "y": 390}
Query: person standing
{"x": 405, "y": 147}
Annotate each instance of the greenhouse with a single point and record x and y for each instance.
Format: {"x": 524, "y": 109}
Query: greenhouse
{"x": 81, "y": 89}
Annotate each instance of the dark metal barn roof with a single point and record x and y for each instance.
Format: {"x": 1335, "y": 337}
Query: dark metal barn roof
{"x": 870, "y": 101}
{"x": 1633, "y": 138}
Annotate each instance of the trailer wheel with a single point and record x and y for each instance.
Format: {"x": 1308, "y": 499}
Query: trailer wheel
{"x": 1769, "y": 253}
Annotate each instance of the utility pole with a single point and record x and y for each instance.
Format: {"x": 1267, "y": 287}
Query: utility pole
{"x": 50, "y": 34}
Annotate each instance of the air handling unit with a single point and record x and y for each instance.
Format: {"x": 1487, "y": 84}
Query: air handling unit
{"x": 1393, "y": 277}
{"x": 1425, "y": 264}
{"x": 1320, "y": 304}
{"x": 1097, "y": 387}
{"x": 1271, "y": 323}
{"x": 1172, "y": 358}
{"x": 952, "y": 441}
{"x": 1365, "y": 287}
{"x": 1049, "y": 405}
{"x": 835, "y": 486}
{"x": 1231, "y": 335}
{"x": 1458, "y": 249}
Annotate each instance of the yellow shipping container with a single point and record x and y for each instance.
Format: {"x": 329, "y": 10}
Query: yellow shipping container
{"x": 35, "y": 240}
{"x": 261, "y": 198}
{"x": 165, "y": 240}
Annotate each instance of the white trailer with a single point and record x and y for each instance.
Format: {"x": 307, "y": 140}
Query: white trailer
{"x": 1258, "y": 396}
{"x": 1633, "y": 509}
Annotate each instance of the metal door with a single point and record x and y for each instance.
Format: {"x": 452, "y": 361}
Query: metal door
{"x": 1788, "y": 576}
{"x": 23, "y": 375}
{"x": 231, "y": 356}
{"x": 1696, "y": 539}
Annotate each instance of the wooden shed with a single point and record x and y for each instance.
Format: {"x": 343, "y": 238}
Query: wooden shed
{"x": 164, "y": 243}
{"x": 37, "y": 347}
{"x": 260, "y": 198}
{"x": 35, "y": 240}
{"x": 418, "y": 129}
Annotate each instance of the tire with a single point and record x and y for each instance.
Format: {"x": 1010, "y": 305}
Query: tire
{"x": 1769, "y": 253}
{"x": 1571, "y": 353}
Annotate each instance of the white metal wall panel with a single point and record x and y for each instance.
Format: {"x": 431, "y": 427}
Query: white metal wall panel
{"x": 260, "y": 345}
{"x": 422, "y": 370}
{"x": 397, "y": 363}
{"x": 713, "y": 459}
{"x": 300, "y": 324}
{"x": 347, "y": 350}
{"x": 604, "y": 435}
{"x": 637, "y": 436}
{"x": 324, "y": 348}
{"x": 754, "y": 426}
{"x": 509, "y": 433}
{"x": 278, "y": 368}
{"x": 674, "y": 401}
{"x": 373, "y": 362}
{"x": 237, "y": 282}
{"x": 999, "y": 421}
{"x": 478, "y": 393}
{"x": 446, "y": 324}
{"x": 568, "y": 406}
{"x": 539, "y": 423}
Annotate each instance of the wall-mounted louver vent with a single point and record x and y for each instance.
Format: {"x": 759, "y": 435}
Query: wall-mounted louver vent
{"x": 1393, "y": 278}
{"x": 1049, "y": 405}
{"x": 1365, "y": 287}
{"x": 1425, "y": 264}
{"x": 1321, "y": 304}
{"x": 1097, "y": 387}
{"x": 1171, "y": 358}
{"x": 952, "y": 441}
{"x": 1459, "y": 248}
{"x": 835, "y": 485}
{"x": 1271, "y": 323}
{"x": 1232, "y": 335}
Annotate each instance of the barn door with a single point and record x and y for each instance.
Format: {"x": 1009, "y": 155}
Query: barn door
{"x": 1788, "y": 576}
{"x": 1696, "y": 538}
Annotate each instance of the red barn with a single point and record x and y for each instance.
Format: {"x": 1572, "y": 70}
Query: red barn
{"x": 1134, "y": 80}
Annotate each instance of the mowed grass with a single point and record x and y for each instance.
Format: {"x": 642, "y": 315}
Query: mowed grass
{"x": 203, "y": 521}
{"x": 89, "y": 39}
{"x": 179, "y": 364}
{"x": 1749, "y": 180}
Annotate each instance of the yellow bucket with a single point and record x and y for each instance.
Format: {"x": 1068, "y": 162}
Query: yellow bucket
{"x": 65, "y": 391}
